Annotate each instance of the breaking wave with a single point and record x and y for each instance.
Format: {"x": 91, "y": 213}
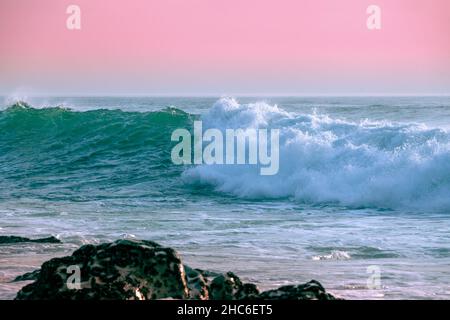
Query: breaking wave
{"x": 324, "y": 160}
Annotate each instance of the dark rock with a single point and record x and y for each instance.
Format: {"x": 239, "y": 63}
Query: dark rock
{"x": 229, "y": 287}
{"x": 121, "y": 270}
{"x": 133, "y": 269}
{"x": 207, "y": 274}
{"x": 197, "y": 284}
{"x": 47, "y": 240}
{"x": 312, "y": 290}
{"x": 28, "y": 276}
{"x": 14, "y": 239}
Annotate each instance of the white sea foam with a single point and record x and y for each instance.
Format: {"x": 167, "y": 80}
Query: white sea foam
{"x": 328, "y": 160}
{"x": 334, "y": 255}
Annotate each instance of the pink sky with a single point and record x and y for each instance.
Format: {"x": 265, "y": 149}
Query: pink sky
{"x": 225, "y": 47}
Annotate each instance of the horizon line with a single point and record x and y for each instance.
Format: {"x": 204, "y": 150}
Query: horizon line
{"x": 214, "y": 95}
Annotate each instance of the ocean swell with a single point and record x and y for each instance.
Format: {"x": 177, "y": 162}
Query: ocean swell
{"x": 58, "y": 153}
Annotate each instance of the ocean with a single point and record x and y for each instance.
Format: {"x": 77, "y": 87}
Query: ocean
{"x": 363, "y": 185}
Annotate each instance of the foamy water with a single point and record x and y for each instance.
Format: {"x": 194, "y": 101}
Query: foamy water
{"x": 326, "y": 160}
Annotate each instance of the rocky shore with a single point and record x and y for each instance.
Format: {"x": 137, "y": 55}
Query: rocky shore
{"x": 142, "y": 270}
{"x": 14, "y": 239}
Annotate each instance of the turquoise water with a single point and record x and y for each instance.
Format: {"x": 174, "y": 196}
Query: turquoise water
{"x": 362, "y": 182}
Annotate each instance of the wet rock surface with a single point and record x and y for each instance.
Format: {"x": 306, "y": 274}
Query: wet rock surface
{"x": 142, "y": 270}
{"x": 311, "y": 290}
{"x": 33, "y": 275}
{"x": 15, "y": 239}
